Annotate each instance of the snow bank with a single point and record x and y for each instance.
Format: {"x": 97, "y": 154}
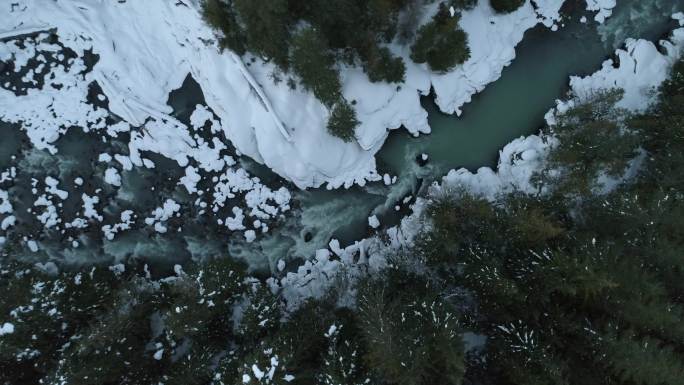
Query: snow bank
{"x": 146, "y": 49}
{"x": 641, "y": 68}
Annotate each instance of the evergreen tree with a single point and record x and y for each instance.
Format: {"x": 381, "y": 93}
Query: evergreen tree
{"x": 311, "y": 37}
{"x": 261, "y": 315}
{"x": 459, "y": 222}
{"x": 463, "y": 4}
{"x": 578, "y": 291}
{"x": 412, "y": 336}
{"x": 662, "y": 127}
{"x": 440, "y": 43}
{"x": 506, "y": 6}
{"x": 594, "y": 143}
{"x": 342, "y": 122}
{"x": 28, "y": 300}
{"x": 267, "y": 27}
{"x": 315, "y": 66}
{"x": 113, "y": 349}
{"x": 641, "y": 360}
{"x": 342, "y": 364}
{"x": 382, "y": 66}
{"x": 221, "y": 16}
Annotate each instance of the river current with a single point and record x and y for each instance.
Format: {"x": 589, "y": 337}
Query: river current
{"x": 511, "y": 107}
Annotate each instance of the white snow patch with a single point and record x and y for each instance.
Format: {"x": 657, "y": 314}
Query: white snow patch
{"x": 125, "y": 161}
{"x": 89, "y": 210}
{"x": 32, "y": 245}
{"x": 200, "y": 116}
{"x": 112, "y": 177}
{"x": 250, "y": 236}
{"x": 190, "y": 179}
{"x": 104, "y": 157}
{"x": 110, "y": 231}
{"x": 235, "y": 222}
{"x": 162, "y": 214}
{"x": 373, "y": 222}
{"x": 5, "y": 205}
{"x": 604, "y": 8}
{"x": 52, "y": 184}
{"x": 6, "y": 328}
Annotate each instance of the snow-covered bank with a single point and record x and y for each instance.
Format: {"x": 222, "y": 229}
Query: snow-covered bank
{"x": 641, "y": 68}
{"x": 146, "y": 49}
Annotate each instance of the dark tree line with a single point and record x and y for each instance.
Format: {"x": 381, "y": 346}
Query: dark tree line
{"x": 212, "y": 325}
{"x": 583, "y": 284}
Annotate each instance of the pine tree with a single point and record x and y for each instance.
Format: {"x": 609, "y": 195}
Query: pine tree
{"x": 221, "y": 16}
{"x": 593, "y": 142}
{"x": 440, "y": 43}
{"x": 28, "y": 300}
{"x": 458, "y": 221}
{"x": 506, "y": 6}
{"x": 260, "y": 316}
{"x": 641, "y": 360}
{"x": 581, "y": 291}
{"x": 196, "y": 366}
{"x": 315, "y": 66}
{"x": 114, "y": 349}
{"x": 342, "y": 122}
{"x": 342, "y": 362}
{"x": 380, "y": 65}
{"x": 267, "y": 28}
{"x": 412, "y": 337}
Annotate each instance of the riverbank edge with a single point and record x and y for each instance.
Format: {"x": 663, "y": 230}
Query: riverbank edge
{"x": 641, "y": 67}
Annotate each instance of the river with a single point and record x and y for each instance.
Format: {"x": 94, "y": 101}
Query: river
{"x": 511, "y": 107}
